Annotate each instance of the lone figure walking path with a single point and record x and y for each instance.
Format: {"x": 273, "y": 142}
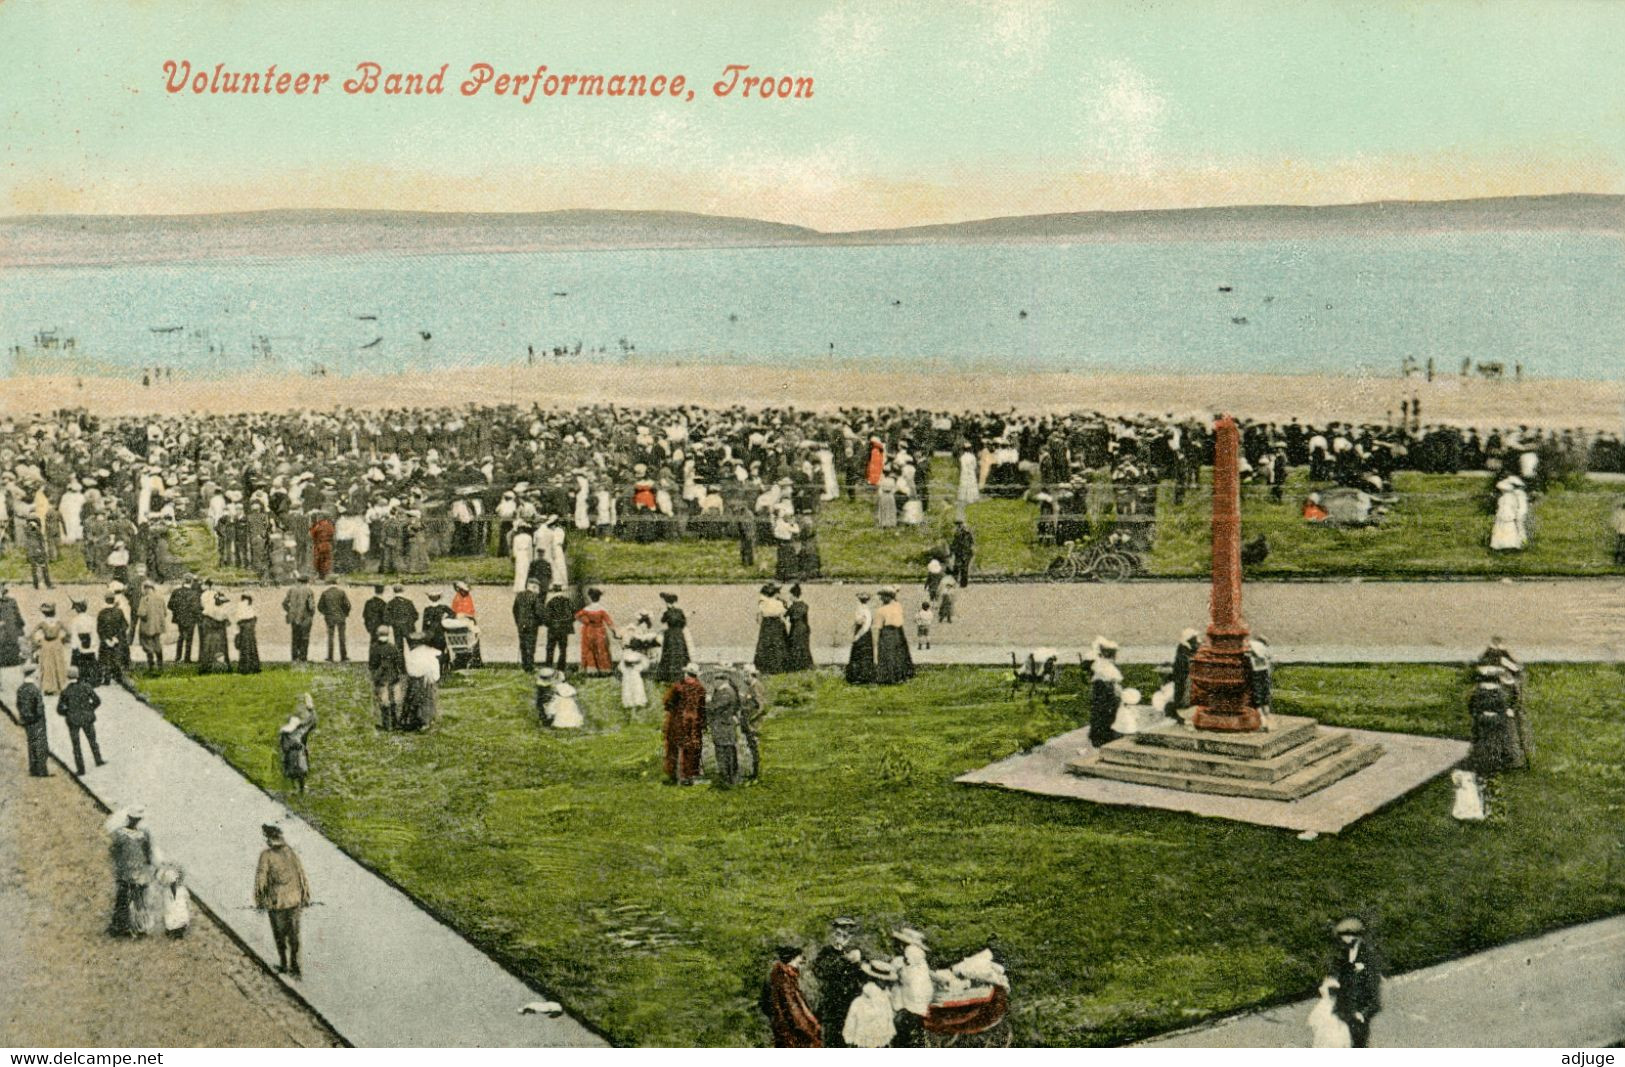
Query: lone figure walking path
{"x": 378, "y": 968}
{"x": 1565, "y": 989}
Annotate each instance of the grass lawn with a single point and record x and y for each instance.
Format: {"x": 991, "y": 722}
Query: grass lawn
{"x": 651, "y": 911}
{"x": 1437, "y": 528}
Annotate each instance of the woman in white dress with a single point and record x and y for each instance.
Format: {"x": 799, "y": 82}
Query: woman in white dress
{"x": 1506, "y": 535}
{"x": 826, "y": 465}
{"x": 72, "y": 509}
{"x": 565, "y": 713}
{"x": 561, "y": 565}
{"x": 524, "y": 550}
{"x": 913, "y": 512}
{"x": 583, "y": 514}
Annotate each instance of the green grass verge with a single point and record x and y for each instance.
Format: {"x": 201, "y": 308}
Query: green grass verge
{"x": 652, "y": 911}
{"x": 1437, "y": 529}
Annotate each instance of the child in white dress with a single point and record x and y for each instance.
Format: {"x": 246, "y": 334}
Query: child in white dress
{"x": 176, "y": 900}
{"x": 634, "y": 694}
{"x": 1327, "y": 1030}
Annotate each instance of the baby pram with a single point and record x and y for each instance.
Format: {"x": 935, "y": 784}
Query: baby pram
{"x": 462, "y": 643}
{"x": 975, "y": 1018}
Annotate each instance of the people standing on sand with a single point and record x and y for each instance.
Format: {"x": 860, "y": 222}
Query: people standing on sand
{"x": 963, "y": 549}
{"x": 282, "y": 891}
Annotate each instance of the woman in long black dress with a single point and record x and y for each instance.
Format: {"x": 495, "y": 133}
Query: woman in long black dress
{"x": 248, "y": 642}
{"x": 893, "y": 661}
{"x": 860, "y": 665}
{"x": 673, "y": 642}
{"x": 773, "y": 634}
{"x": 801, "y": 657}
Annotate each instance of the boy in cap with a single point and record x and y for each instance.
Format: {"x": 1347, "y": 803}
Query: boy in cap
{"x": 1359, "y": 983}
{"x": 281, "y": 891}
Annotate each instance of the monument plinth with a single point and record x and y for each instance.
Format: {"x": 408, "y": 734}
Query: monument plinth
{"x": 1220, "y": 696}
{"x": 1223, "y": 750}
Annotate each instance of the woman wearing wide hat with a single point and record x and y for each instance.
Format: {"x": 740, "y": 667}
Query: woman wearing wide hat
{"x": 860, "y": 662}
{"x": 673, "y": 641}
{"x": 893, "y": 661}
{"x": 773, "y": 632}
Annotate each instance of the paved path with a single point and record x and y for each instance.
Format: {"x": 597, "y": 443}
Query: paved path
{"x": 1565, "y": 989}
{"x": 377, "y": 967}
{"x": 1321, "y": 621}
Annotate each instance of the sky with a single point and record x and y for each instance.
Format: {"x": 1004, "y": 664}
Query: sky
{"x": 922, "y": 111}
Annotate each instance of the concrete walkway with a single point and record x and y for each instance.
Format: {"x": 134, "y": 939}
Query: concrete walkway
{"x": 1305, "y": 621}
{"x": 378, "y": 968}
{"x": 1565, "y": 989}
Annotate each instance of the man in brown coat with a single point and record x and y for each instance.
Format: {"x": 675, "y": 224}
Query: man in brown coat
{"x": 685, "y": 727}
{"x": 281, "y": 891}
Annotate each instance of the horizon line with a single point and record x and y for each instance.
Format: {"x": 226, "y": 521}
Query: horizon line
{"x": 474, "y": 212}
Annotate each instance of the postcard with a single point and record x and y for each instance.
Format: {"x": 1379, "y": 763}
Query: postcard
{"x": 847, "y": 523}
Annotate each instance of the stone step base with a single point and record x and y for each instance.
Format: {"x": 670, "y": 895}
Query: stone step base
{"x": 1289, "y": 731}
{"x": 1306, "y": 780}
{"x": 1133, "y": 752}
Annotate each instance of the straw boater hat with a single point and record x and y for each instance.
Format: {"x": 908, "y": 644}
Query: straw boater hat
{"x": 879, "y": 969}
{"x": 909, "y": 936}
{"x": 1351, "y": 926}
{"x": 692, "y": 670}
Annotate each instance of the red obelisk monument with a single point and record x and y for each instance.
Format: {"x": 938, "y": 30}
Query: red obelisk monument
{"x": 1219, "y": 690}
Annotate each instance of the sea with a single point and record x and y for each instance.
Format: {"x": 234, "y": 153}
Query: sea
{"x": 1546, "y": 304}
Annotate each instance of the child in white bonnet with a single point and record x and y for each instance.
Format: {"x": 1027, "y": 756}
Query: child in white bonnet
{"x": 177, "y": 899}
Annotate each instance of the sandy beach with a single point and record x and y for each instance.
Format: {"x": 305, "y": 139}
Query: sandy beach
{"x": 1589, "y": 405}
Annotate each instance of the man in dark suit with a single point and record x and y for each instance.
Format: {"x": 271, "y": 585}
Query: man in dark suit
{"x": 78, "y": 704}
{"x": 527, "y": 619}
{"x": 402, "y": 617}
{"x": 334, "y": 607}
{"x": 31, "y": 713}
{"x": 299, "y": 608}
{"x": 186, "y": 611}
{"x": 375, "y": 612}
{"x": 559, "y": 617}
{"x": 963, "y": 547}
{"x": 113, "y": 633}
{"x": 840, "y": 979}
{"x": 1359, "y": 981}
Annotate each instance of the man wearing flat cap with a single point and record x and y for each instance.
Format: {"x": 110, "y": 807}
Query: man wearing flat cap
{"x": 31, "y": 713}
{"x": 281, "y": 891}
{"x": 1359, "y": 981}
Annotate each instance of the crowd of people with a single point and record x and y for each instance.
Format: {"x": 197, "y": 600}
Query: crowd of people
{"x": 388, "y": 491}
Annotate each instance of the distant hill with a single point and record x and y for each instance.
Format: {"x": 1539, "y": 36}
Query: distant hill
{"x": 64, "y": 240}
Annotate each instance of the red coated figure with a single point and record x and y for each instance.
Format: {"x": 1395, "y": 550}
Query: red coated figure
{"x": 321, "y": 542}
{"x": 685, "y": 727}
